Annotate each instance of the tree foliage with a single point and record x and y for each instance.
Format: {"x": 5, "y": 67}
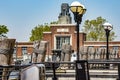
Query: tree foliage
{"x": 95, "y": 31}
{"x": 54, "y": 22}
{"x": 37, "y": 32}
{"x": 3, "y": 30}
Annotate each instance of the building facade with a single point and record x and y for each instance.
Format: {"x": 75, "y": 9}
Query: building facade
{"x": 22, "y": 50}
{"x": 63, "y": 32}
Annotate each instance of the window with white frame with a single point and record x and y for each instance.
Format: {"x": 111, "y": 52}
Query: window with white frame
{"x": 24, "y": 50}
{"x": 60, "y": 40}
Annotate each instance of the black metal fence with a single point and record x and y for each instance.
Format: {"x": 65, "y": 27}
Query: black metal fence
{"x": 97, "y": 68}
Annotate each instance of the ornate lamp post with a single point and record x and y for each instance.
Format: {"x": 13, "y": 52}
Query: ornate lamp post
{"x": 78, "y": 11}
{"x": 107, "y": 27}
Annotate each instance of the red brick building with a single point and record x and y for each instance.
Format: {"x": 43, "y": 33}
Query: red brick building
{"x": 63, "y": 32}
{"x": 21, "y": 49}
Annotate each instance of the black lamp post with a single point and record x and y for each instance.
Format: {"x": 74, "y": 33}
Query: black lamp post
{"x": 107, "y": 27}
{"x": 78, "y": 11}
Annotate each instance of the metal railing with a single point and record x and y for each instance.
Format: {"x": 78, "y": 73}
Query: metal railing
{"x": 55, "y": 70}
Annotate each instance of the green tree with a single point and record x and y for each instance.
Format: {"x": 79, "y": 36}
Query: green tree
{"x": 95, "y": 31}
{"x": 37, "y": 32}
{"x": 54, "y": 22}
{"x": 3, "y": 31}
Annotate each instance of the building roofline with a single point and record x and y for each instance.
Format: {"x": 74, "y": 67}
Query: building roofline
{"x": 22, "y": 42}
{"x": 62, "y": 24}
{"x": 79, "y": 32}
{"x": 101, "y": 45}
{"x": 47, "y": 32}
{"x": 101, "y": 41}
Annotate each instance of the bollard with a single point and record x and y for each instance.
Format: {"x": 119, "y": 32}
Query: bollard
{"x": 54, "y": 73}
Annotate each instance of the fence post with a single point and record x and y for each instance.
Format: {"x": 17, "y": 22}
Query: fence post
{"x": 118, "y": 71}
{"x": 54, "y": 72}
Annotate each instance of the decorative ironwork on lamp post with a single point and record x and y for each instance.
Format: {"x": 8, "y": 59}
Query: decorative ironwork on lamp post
{"x": 107, "y": 27}
{"x": 78, "y": 11}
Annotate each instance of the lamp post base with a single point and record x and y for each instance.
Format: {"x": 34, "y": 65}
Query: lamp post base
{"x": 82, "y": 71}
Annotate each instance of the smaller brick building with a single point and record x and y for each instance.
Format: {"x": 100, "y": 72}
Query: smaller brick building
{"x": 22, "y": 49}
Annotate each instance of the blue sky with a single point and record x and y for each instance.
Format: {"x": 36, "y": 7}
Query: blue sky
{"x": 21, "y": 16}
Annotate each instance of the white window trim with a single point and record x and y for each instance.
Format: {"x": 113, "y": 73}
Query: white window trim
{"x": 57, "y": 35}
